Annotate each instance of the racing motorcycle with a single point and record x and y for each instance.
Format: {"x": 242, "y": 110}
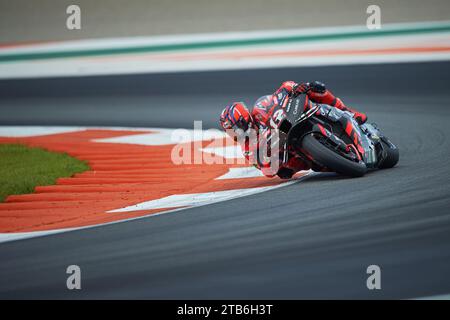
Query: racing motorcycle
{"x": 330, "y": 139}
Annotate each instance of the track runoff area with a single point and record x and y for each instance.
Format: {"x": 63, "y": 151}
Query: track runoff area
{"x": 133, "y": 173}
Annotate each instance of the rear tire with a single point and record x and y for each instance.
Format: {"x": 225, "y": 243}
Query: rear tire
{"x": 332, "y": 160}
{"x": 391, "y": 159}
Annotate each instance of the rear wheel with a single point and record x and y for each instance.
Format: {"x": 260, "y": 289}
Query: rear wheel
{"x": 330, "y": 159}
{"x": 390, "y": 158}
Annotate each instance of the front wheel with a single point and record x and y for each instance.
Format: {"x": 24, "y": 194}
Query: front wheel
{"x": 330, "y": 159}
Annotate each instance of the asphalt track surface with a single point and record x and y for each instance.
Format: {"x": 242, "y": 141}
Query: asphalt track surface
{"x": 313, "y": 239}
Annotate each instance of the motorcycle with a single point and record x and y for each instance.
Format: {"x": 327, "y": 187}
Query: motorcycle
{"x": 330, "y": 139}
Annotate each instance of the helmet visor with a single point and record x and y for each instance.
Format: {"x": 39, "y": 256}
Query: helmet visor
{"x": 241, "y": 124}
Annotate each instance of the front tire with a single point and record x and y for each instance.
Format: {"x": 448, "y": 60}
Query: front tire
{"x": 332, "y": 160}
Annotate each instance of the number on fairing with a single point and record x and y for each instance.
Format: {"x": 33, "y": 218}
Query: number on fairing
{"x": 277, "y": 117}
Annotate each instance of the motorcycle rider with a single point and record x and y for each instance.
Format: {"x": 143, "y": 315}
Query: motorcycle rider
{"x": 239, "y": 119}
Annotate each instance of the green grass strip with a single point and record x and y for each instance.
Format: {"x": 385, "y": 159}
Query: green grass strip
{"x": 224, "y": 43}
{"x": 22, "y": 168}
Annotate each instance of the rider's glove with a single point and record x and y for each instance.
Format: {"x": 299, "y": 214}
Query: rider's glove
{"x": 317, "y": 87}
{"x": 301, "y": 88}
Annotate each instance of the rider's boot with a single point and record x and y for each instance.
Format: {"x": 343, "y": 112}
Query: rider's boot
{"x": 326, "y": 96}
{"x": 358, "y": 116}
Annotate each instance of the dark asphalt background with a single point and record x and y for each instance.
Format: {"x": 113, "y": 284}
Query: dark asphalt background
{"x": 313, "y": 239}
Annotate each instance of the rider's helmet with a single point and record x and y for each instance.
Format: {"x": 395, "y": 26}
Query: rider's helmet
{"x": 236, "y": 116}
